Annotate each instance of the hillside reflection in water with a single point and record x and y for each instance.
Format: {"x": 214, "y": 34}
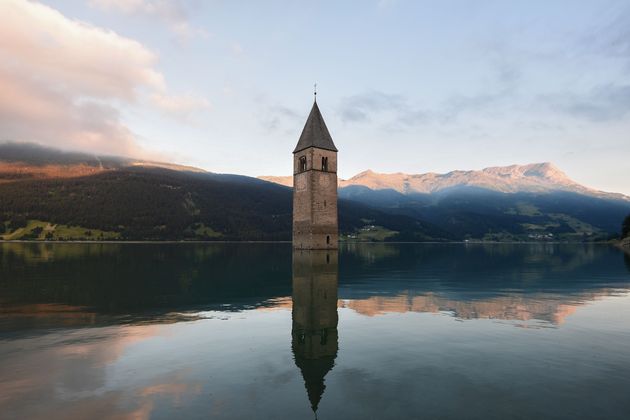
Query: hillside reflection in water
{"x": 241, "y": 330}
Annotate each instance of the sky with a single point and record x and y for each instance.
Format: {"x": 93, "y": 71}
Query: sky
{"x": 404, "y": 86}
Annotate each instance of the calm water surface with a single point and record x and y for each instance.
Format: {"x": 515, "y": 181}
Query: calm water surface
{"x": 376, "y": 331}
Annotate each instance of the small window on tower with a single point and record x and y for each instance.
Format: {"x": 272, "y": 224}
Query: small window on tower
{"x": 302, "y": 163}
{"x": 325, "y": 164}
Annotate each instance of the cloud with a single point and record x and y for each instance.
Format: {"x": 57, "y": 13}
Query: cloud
{"x": 601, "y": 104}
{"x": 74, "y": 54}
{"x": 611, "y": 38}
{"x": 399, "y": 112}
{"x": 364, "y": 106}
{"x": 278, "y": 118}
{"x": 63, "y": 81}
{"x": 620, "y": 42}
{"x": 608, "y": 99}
{"x": 172, "y": 12}
{"x": 180, "y": 106}
{"x": 396, "y": 110}
{"x": 236, "y": 48}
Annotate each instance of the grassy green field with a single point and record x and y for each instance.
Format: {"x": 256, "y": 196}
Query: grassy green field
{"x": 524, "y": 209}
{"x": 203, "y": 231}
{"x": 39, "y": 230}
{"x": 371, "y": 233}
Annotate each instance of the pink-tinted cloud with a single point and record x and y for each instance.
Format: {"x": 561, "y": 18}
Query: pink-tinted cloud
{"x": 62, "y": 81}
{"x": 180, "y": 106}
{"x": 76, "y": 367}
{"x": 172, "y": 12}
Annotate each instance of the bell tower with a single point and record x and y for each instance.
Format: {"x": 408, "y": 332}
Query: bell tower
{"x": 315, "y": 223}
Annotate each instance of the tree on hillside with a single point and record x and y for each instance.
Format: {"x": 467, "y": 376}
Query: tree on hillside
{"x": 625, "y": 227}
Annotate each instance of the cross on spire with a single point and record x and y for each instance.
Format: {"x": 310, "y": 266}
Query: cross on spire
{"x": 315, "y": 91}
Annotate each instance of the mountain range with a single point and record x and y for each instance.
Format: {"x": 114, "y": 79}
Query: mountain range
{"x": 533, "y": 178}
{"x": 519, "y": 202}
{"x": 51, "y": 194}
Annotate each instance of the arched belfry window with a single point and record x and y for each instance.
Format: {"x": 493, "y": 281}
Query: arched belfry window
{"x": 302, "y": 164}
{"x": 324, "y": 164}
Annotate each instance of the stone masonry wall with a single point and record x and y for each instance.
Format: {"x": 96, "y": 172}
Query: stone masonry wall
{"x": 315, "y": 219}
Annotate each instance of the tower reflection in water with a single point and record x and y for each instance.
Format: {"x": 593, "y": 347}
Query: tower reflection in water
{"x": 314, "y": 333}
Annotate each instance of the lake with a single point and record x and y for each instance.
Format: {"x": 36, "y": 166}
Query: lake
{"x": 375, "y": 331}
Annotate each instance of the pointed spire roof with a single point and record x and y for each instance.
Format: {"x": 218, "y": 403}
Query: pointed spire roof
{"x": 313, "y": 372}
{"x": 315, "y": 133}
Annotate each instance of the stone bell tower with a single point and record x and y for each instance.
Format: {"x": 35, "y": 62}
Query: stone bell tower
{"x": 315, "y": 223}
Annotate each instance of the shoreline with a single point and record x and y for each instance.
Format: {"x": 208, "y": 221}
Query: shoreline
{"x": 624, "y": 245}
{"x": 618, "y": 244}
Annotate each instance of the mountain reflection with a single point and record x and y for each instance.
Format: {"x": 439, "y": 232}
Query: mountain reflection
{"x": 550, "y": 308}
{"x": 514, "y": 282}
{"x": 314, "y": 331}
{"x": 48, "y": 284}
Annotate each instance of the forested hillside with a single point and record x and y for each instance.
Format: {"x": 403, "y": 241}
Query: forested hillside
{"x": 53, "y": 195}
{"x": 160, "y": 204}
{"x": 473, "y": 213}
